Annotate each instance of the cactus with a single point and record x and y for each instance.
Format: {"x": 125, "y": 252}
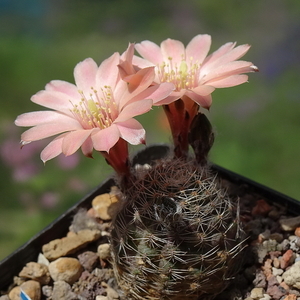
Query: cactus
{"x": 178, "y": 233}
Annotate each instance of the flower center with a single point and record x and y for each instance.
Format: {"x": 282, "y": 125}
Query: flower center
{"x": 183, "y": 76}
{"x": 94, "y": 110}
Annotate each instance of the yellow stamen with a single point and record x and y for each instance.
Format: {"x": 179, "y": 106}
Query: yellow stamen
{"x": 94, "y": 111}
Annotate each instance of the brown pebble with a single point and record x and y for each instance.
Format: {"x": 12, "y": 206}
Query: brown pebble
{"x": 62, "y": 291}
{"x": 106, "y": 206}
{"x": 104, "y": 251}
{"x": 33, "y": 289}
{"x": 66, "y": 269}
{"x": 272, "y": 280}
{"x": 290, "y": 297}
{"x": 276, "y": 292}
{"x": 14, "y": 294}
{"x": 37, "y": 272}
{"x": 70, "y": 244}
{"x": 262, "y": 208}
{"x": 276, "y": 262}
{"x": 267, "y": 267}
{"x": 286, "y": 259}
{"x": 278, "y": 237}
{"x": 297, "y": 231}
{"x": 88, "y": 260}
{"x": 290, "y": 224}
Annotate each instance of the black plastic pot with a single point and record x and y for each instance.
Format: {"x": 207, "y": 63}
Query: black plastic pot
{"x": 13, "y": 264}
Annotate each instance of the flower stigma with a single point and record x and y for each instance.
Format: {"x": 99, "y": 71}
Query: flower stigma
{"x": 95, "y": 111}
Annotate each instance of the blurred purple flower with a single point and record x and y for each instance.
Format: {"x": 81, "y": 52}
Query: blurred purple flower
{"x": 25, "y": 171}
{"x": 68, "y": 162}
{"x": 49, "y": 200}
{"x": 77, "y": 185}
{"x": 22, "y": 163}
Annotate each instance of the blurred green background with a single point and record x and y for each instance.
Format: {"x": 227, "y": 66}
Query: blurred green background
{"x": 257, "y": 124}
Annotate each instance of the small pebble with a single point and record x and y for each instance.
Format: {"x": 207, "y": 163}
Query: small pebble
{"x": 260, "y": 279}
{"x": 14, "y": 294}
{"x": 62, "y": 290}
{"x": 47, "y": 290}
{"x": 88, "y": 260}
{"x": 42, "y": 260}
{"x": 37, "y": 272}
{"x": 32, "y": 288}
{"x": 262, "y": 208}
{"x": 278, "y": 237}
{"x": 66, "y": 269}
{"x": 106, "y": 206}
{"x": 276, "y": 292}
{"x": 270, "y": 245}
{"x": 69, "y": 244}
{"x": 264, "y": 236}
{"x": 287, "y": 259}
{"x": 297, "y": 231}
{"x": 276, "y": 262}
{"x": 111, "y": 293}
{"x": 104, "y": 251}
{"x": 292, "y": 276}
{"x": 290, "y": 297}
{"x": 283, "y": 246}
{"x": 276, "y": 271}
{"x": 257, "y": 293}
{"x": 290, "y": 224}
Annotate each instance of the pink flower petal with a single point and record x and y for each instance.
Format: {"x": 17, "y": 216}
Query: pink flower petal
{"x": 42, "y": 131}
{"x": 125, "y": 66}
{"x": 230, "y": 56}
{"x": 156, "y": 92}
{"x": 198, "y": 48}
{"x": 229, "y": 81}
{"x": 141, "y": 62}
{"x": 138, "y": 83}
{"x": 85, "y": 75}
{"x": 54, "y": 100}
{"x": 232, "y": 68}
{"x": 134, "y": 109}
{"x": 40, "y": 117}
{"x": 150, "y": 51}
{"x": 63, "y": 87}
{"x": 74, "y": 140}
{"x": 132, "y": 132}
{"x": 204, "y": 101}
{"x": 218, "y": 53}
{"x": 87, "y": 147}
{"x": 106, "y": 138}
{"x": 173, "y": 49}
{"x": 140, "y": 80}
{"x": 108, "y": 72}
{"x": 203, "y": 90}
{"x": 53, "y": 149}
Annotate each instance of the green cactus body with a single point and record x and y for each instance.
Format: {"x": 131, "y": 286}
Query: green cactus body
{"x": 177, "y": 235}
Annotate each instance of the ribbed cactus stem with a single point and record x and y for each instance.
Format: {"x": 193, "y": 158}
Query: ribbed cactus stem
{"x": 177, "y": 235}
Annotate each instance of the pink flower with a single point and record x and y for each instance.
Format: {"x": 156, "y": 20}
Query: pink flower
{"x": 95, "y": 113}
{"x": 194, "y": 74}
